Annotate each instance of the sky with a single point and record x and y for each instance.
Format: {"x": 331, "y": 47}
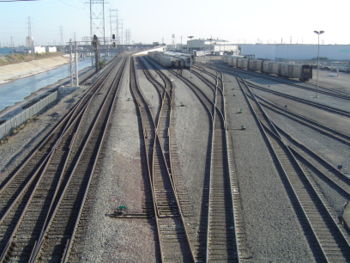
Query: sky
{"x": 245, "y": 21}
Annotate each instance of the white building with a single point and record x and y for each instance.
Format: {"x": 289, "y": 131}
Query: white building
{"x": 39, "y": 50}
{"x": 295, "y": 51}
{"x": 212, "y": 45}
{"x": 51, "y": 49}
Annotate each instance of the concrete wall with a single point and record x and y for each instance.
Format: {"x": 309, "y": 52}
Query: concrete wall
{"x": 285, "y": 51}
{"x": 26, "y": 114}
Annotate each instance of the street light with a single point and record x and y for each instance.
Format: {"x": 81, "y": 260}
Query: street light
{"x": 188, "y": 48}
{"x": 188, "y": 51}
{"x": 318, "y": 57}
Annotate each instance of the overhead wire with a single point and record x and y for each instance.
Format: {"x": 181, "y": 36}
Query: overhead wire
{"x": 5, "y": 1}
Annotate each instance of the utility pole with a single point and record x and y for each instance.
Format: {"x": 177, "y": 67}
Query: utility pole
{"x": 70, "y": 62}
{"x": 121, "y": 32}
{"x": 104, "y": 23}
{"x": 61, "y": 35}
{"x": 318, "y": 58}
{"x": 12, "y": 43}
{"x": 76, "y": 65}
{"x": 95, "y": 43}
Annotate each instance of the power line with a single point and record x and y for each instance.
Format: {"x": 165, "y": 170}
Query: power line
{"x": 4, "y": 1}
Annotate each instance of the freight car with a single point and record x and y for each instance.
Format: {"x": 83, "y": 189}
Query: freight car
{"x": 171, "y": 59}
{"x": 300, "y": 71}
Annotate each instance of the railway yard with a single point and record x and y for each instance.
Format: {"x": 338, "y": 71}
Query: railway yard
{"x": 208, "y": 164}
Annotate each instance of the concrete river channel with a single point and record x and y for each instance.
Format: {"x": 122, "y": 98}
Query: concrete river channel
{"x": 17, "y": 90}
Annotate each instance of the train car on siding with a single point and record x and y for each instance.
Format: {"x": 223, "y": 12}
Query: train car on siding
{"x": 255, "y": 65}
{"x": 302, "y": 72}
{"x": 242, "y": 63}
{"x": 172, "y": 59}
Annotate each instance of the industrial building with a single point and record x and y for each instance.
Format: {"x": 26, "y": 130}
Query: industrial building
{"x": 295, "y": 51}
{"x": 214, "y": 46}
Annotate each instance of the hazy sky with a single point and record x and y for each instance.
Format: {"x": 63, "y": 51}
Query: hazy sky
{"x": 245, "y": 21}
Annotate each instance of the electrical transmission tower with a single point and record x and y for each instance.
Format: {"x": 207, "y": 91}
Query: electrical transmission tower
{"x": 29, "y": 38}
{"x": 114, "y": 24}
{"x": 97, "y": 19}
{"x": 127, "y": 36}
{"x": 121, "y": 32}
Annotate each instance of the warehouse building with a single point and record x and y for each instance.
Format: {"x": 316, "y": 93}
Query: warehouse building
{"x": 214, "y": 46}
{"x": 295, "y": 51}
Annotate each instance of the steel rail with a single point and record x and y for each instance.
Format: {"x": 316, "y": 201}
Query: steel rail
{"x": 216, "y": 85}
{"x": 304, "y": 101}
{"x": 158, "y": 86}
{"x": 313, "y": 88}
{"x": 325, "y": 130}
{"x": 201, "y": 250}
{"x": 42, "y": 171}
{"x": 163, "y": 135}
{"x": 221, "y": 236}
{"x": 66, "y": 123}
{"x": 220, "y": 230}
{"x": 170, "y": 221}
{"x": 326, "y": 238}
{"x": 68, "y": 251}
{"x": 32, "y": 184}
{"x": 146, "y": 126}
{"x": 32, "y": 216}
{"x": 313, "y": 160}
{"x": 320, "y": 89}
{"x": 319, "y": 165}
{"x": 59, "y": 128}
{"x": 77, "y": 180}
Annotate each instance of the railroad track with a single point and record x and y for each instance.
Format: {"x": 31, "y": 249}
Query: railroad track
{"x": 164, "y": 131}
{"x": 221, "y": 228}
{"x": 326, "y": 237}
{"x": 174, "y": 243}
{"x": 56, "y": 239}
{"x": 328, "y": 131}
{"x": 27, "y": 215}
{"x": 309, "y": 86}
{"x": 309, "y": 159}
{"x": 303, "y": 101}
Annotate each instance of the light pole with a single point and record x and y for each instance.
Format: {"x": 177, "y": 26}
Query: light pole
{"x": 318, "y": 57}
{"x": 188, "y": 48}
